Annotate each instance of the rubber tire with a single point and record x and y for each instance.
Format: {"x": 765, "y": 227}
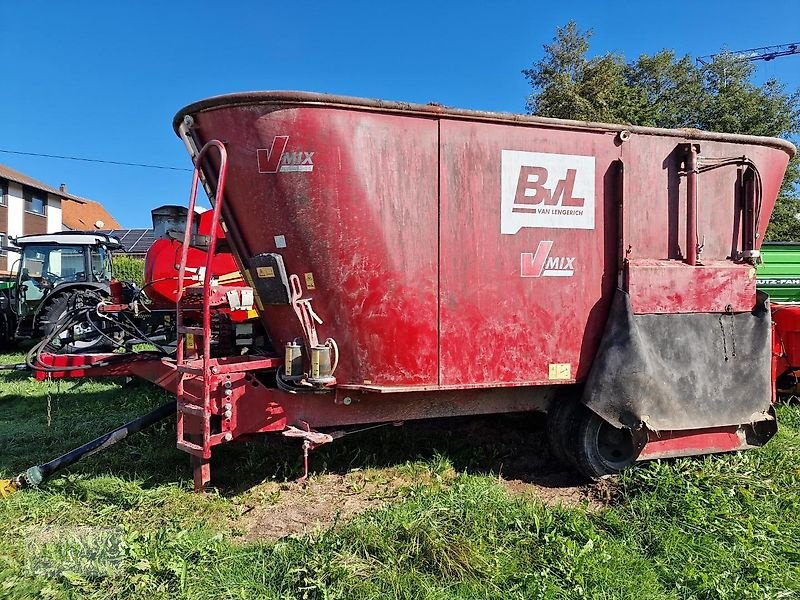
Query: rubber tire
{"x": 54, "y": 310}
{"x": 563, "y": 419}
{"x": 591, "y": 459}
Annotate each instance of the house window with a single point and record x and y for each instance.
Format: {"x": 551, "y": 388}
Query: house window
{"x": 3, "y": 192}
{"x": 35, "y": 201}
{"x": 3, "y": 243}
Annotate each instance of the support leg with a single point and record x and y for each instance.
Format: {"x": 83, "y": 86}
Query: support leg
{"x": 202, "y": 473}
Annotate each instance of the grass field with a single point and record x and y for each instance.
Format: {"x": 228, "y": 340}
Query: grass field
{"x": 467, "y": 508}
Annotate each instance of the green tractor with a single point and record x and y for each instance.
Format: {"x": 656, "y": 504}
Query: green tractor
{"x": 56, "y": 274}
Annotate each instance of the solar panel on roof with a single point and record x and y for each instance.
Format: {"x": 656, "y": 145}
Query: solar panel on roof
{"x": 134, "y": 241}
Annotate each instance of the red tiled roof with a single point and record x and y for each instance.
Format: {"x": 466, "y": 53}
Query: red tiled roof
{"x": 84, "y": 214}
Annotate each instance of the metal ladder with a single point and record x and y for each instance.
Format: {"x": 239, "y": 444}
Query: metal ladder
{"x": 195, "y": 376}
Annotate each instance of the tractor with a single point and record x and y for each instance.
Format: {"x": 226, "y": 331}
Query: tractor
{"x": 58, "y": 273}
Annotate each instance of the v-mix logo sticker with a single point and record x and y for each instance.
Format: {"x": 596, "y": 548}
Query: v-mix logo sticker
{"x": 542, "y": 264}
{"x": 277, "y": 159}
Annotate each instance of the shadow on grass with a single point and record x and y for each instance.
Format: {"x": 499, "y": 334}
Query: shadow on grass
{"x": 511, "y": 446}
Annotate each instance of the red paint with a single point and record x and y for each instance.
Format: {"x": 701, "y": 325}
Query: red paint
{"x": 82, "y": 365}
{"x": 786, "y": 319}
{"x": 785, "y": 346}
{"x": 662, "y": 286}
{"x": 534, "y": 179}
{"x": 161, "y": 265}
{"x": 399, "y": 223}
{"x": 671, "y": 444}
{"x": 533, "y": 264}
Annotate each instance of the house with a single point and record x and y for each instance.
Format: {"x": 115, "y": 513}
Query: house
{"x": 28, "y": 206}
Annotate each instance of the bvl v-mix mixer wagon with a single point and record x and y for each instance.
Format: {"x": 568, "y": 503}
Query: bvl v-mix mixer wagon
{"x": 412, "y": 261}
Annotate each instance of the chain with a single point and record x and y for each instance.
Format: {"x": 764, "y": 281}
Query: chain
{"x": 729, "y": 312}
{"x": 724, "y": 343}
{"x": 49, "y": 401}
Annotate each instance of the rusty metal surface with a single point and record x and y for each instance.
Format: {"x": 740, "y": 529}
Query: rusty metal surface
{"x": 283, "y": 99}
{"x": 412, "y": 233}
{"x": 658, "y": 286}
{"x": 359, "y": 230}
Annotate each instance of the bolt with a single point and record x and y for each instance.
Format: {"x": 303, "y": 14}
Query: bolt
{"x": 228, "y": 392}
{"x": 227, "y": 384}
{"x": 228, "y": 437}
{"x": 347, "y": 400}
{"x": 228, "y": 414}
{"x": 227, "y": 406}
{"x": 214, "y": 370}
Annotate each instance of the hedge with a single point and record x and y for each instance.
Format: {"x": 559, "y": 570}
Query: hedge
{"x": 129, "y": 268}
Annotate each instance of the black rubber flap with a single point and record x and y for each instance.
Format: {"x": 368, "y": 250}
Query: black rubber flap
{"x": 682, "y": 371}
{"x": 269, "y": 278}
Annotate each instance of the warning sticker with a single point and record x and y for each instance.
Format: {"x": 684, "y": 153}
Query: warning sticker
{"x": 265, "y": 272}
{"x": 560, "y": 371}
{"x": 309, "y": 281}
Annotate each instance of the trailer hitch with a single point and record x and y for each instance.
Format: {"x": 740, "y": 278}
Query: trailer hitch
{"x": 315, "y": 439}
{"x": 311, "y": 440}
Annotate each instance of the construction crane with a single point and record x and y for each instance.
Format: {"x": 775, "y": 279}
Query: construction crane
{"x": 754, "y": 54}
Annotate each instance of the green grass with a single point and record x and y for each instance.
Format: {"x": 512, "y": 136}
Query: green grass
{"x": 124, "y": 523}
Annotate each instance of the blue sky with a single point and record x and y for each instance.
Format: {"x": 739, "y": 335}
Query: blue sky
{"x": 104, "y": 79}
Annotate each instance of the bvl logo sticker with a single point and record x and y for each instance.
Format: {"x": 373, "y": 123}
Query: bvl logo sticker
{"x": 276, "y": 158}
{"x": 542, "y": 264}
{"x": 546, "y": 190}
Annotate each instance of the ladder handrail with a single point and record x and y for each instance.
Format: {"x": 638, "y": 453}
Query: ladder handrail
{"x": 206, "y": 280}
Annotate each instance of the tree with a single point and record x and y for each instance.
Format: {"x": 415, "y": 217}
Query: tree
{"x": 664, "y": 90}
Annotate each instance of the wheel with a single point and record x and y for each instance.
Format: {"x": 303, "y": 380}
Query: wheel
{"x": 563, "y": 418}
{"x": 600, "y": 448}
{"x": 59, "y": 307}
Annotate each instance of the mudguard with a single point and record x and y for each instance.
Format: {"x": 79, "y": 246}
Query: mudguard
{"x": 682, "y": 371}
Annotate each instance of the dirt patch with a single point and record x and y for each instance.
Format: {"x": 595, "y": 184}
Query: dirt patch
{"x": 565, "y": 489}
{"x": 513, "y": 447}
{"x": 273, "y": 510}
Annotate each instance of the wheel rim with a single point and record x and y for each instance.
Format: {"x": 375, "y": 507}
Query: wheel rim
{"x": 614, "y": 446}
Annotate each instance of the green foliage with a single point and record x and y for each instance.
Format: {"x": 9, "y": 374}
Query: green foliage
{"x": 129, "y": 268}
{"x": 665, "y": 90}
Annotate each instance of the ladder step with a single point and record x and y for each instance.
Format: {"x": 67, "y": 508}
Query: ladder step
{"x": 193, "y": 330}
{"x": 189, "y": 369}
{"x": 191, "y": 409}
{"x": 190, "y": 448}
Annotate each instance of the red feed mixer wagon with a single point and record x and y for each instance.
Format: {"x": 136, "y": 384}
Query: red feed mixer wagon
{"x": 410, "y": 261}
